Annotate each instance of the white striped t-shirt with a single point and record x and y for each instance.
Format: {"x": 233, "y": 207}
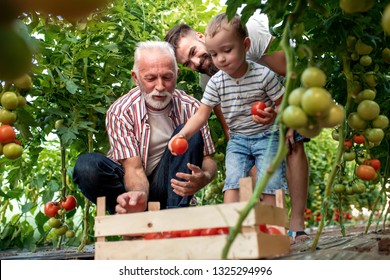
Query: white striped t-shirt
{"x": 237, "y": 96}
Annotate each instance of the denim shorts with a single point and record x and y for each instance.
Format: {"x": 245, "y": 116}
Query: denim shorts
{"x": 298, "y": 137}
{"x": 245, "y": 151}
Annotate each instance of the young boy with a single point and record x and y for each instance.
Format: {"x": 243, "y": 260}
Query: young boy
{"x": 236, "y": 87}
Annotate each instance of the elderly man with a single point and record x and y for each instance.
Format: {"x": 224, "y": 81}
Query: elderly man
{"x": 138, "y": 167}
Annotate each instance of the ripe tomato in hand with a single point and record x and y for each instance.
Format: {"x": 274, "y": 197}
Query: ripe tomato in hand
{"x": 366, "y": 172}
{"x": 179, "y": 145}
{"x": 51, "y": 209}
{"x": 258, "y": 106}
{"x": 69, "y": 203}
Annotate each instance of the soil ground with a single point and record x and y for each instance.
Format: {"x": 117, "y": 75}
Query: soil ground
{"x": 375, "y": 245}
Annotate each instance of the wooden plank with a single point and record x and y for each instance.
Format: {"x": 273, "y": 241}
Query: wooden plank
{"x": 246, "y": 188}
{"x": 246, "y": 246}
{"x": 100, "y": 212}
{"x": 280, "y": 202}
{"x": 222, "y": 215}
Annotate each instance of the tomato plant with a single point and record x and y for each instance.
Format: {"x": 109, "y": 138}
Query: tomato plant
{"x": 179, "y": 145}
{"x": 256, "y": 107}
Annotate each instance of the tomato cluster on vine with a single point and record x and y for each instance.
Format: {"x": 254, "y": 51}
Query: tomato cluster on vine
{"x": 311, "y": 107}
{"x": 10, "y": 145}
{"x": 56, "y": 210}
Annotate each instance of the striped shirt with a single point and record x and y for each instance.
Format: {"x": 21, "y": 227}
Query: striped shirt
{"x": 237, "y": 96}
{"x": 129, "y": 131}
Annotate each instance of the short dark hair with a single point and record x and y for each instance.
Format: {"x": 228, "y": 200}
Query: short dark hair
{"x": 182, "y": 30}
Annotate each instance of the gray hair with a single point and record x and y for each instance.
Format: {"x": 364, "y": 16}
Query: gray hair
{"x": 163, "y": 47}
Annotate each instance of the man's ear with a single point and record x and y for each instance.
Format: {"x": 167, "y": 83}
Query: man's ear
{"x": 134, "y": 75}
{"x": 200, "y": 36}
{"x": 247, "y": 43}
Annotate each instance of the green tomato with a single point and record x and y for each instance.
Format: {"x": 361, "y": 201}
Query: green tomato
{"x": 294, "y": 117}
{"x": 368, "y": 110}
{"x": 339, "y": 188}
{"x": 316, "y": 101}
{"x": 380, "y": 122}
{"x": 54, "y": 222}
{"x": 313, "y": 77}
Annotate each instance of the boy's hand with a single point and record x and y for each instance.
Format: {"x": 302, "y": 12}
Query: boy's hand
{"x": 269, "y": 114}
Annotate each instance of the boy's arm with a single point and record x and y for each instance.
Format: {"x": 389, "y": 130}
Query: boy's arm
{"x": 194, "y": 124}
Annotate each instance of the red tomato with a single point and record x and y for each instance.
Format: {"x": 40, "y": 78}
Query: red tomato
{"x": 366, "y": 172}
{"x": 208, "y": 231}
{"x": 258, "y": 106}
{"x": 373, "y": 162}
{"x": 190, "y": 232}
{"x": 358, "y": 139}
{"x": 273, "y": 230}
{"x": 153, "y": 235}
{"x": 263, "y": 228}
{"x": 348, "y": 144}
{"x": 7, "y": 134}
{"x": 69, "y": 203}
{"x": 179, "y": 145}
{"x": 51, "y": 209}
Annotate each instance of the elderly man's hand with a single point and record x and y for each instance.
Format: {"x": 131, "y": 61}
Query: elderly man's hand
{"x": 192, "y": 182}
{"x": 131, "y": 202}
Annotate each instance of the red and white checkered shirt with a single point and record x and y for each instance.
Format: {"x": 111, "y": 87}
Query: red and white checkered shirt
{"x": 128, "y": 129}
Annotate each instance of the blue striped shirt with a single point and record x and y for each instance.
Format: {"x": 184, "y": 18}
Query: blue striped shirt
{"x": 237, "y": 96}
{"x": 128, "y": 129}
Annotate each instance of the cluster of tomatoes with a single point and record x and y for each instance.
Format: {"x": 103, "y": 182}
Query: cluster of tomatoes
{"x": 346, "y": 215}
{"x": 10, "y": 101}
{"x": 311, "y": 107}
{"x": 204, "y": 232}
{"x": 365, "y": 123}
{"x": 55, "y": 210}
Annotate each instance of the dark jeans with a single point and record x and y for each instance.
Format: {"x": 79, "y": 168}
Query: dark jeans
{"x": 96, "y": 175}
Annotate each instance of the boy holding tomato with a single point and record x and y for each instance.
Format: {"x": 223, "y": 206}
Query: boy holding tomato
{"x": 236, "y": 87}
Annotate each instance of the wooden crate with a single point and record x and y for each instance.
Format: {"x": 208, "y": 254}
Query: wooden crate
{"x": 249, "y": 244}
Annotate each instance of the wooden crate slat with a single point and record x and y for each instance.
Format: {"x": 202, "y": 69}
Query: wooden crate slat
{"x": 246, "y": 246}
{"x": 222, "y": 215}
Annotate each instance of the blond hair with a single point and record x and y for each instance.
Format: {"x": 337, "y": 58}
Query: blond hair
{"x": 221, "y": 21}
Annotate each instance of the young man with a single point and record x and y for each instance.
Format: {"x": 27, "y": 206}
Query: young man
{"x": 138, "y": 167}
{"x": 191, "y": 52}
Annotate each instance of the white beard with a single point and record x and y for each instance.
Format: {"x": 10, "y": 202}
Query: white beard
{"x": 157, "y": 104}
